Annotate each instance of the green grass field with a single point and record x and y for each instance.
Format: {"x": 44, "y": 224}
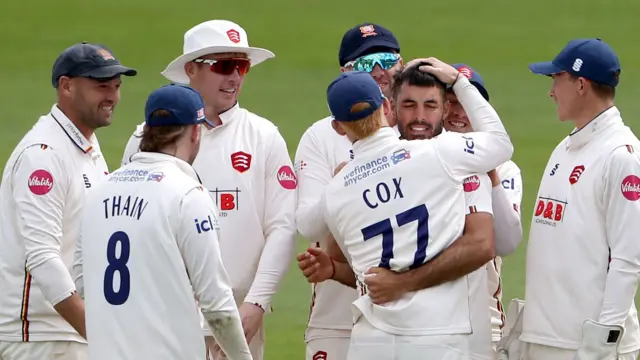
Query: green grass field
{"x": 499, "y": 38}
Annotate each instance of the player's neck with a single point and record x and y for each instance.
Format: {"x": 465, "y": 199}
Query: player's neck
{"x": 212, "y": 114}
{"x": 590, "y": 111}
{"x": 85, "y": 130}
{"x": 176, "y": 150}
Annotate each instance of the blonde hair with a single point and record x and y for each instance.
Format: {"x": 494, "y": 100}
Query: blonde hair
{"x": 156, "y": 138}
{"x": 366, "y": 127}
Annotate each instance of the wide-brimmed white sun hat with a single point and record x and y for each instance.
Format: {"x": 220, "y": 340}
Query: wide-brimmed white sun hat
{"x": 213, "y": 37}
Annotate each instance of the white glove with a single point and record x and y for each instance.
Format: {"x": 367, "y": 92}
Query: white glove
{"x": 510, "y": 346}
{"x": 599, "y": 341}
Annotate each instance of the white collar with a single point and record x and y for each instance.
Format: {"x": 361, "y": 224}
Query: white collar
{"x": 72, "y": 131}
{"x": 154, "y": 157}
{"x": 371, "y": 142}
{"x": 605, "y": 120}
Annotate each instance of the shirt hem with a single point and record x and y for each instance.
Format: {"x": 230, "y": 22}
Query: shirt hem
{"x": 569, "y": 345}
{"x": 43, "y": 337}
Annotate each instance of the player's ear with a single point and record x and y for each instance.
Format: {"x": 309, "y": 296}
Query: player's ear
{"x": 195, "y": 133}
{"x": 386, "y": 107}
{"x": 336, "y": 127}
{"x": 446, "y": 108}
{"x": 190, "y": 69}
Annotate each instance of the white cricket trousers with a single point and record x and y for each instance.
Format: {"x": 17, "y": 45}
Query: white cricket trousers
{"x": 328, "y": 348}
{"x": 43, "y": 350}
{"x": 542, "y": 352}
{"x": 368, "y": 343}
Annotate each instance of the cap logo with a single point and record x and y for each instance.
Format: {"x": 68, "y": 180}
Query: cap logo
{"x": 466, "y": 72}
{"x": 577, "y": 65}
{"x": 200, "y": 114}
{"x": 233, "y": 35}
{"x": 105, "y": 54}
{"x": 368, "y": 30}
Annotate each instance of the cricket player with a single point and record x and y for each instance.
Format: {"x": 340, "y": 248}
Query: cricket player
{"x": 152, "y": 226}
{"x": 374, "y": 49}
{"x": 420, "y": 106}
{"x": 583, "y": 256}
{"x": 245, "y": 164}
{"x": 382, "y": 172}
{"x": 43, "y": 187}
{"x": 506, "y": 198}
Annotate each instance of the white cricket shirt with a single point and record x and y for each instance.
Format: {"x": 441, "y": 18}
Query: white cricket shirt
{"x": 319, "y": 152}
{"x": 478, "y": 199}
{"x": 583, "y": 256}
{"x": 511, "y": 187}
{"x": 384, "y": 213}
{"x": 246, "y": 166}
{"x": 148, "y": 250}
{"x": 43, "y": 187}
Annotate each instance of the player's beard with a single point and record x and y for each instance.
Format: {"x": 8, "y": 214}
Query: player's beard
{"x": 435, "y": 130}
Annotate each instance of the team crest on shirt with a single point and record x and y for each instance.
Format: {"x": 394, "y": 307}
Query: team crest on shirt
{"x": 241, "y": 161}
{"x": 575, "y": 174}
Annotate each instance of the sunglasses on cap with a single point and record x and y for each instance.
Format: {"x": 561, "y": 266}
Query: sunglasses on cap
{"x": 386, "y": 60}
{"x": 227, "y": 66}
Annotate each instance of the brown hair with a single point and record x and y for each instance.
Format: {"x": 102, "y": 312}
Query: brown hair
{"x": 601, "y": 90}
{"x": 155, "y": 138}
{"x": 364, "y": 127}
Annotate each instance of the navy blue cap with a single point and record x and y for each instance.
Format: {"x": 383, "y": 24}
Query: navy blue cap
{"x": 592, "y": 59}
{"x": 351, "y": 88}
{"x": 364, "y": 37}
{"x": 90, "y": 61}
{"x": 474, "y": 78}
{"x": 184, "y": 103}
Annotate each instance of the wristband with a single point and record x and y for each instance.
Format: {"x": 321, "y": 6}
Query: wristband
{"x": 456, "y": 80}
{"x": 333, "y": 268}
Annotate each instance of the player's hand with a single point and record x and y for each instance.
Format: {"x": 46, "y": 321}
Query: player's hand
{"x": 315, "y": 264}
{"x": 495, "y": 180}
{"x": 252, "y": 317}
{"x": 339, "y": 167}
{"x": 383, "y": 285}
{"x": 443, "y": 71}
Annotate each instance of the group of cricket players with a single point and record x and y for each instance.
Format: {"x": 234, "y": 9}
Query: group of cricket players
{"x": 406, "y": 192}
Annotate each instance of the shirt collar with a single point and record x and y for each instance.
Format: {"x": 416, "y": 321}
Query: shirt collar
{"x": 72, "y": 131}
{"x": 226, "y": 117}
{"x": 370, "y": 143}
{"x": 153, "y": 157}
{"x": 602, "y": 122}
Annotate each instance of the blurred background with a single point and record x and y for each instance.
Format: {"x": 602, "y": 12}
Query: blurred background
{"x": 498, "y": 38}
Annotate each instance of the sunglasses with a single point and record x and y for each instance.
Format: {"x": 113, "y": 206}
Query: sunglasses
{"x": 386, "y": 60}
{"x": 227, "y": 66}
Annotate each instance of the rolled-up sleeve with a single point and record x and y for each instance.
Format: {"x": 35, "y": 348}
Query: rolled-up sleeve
{"x": 314, "y": 173}
{"x": 278, "y": 224}
{"x": 40, "y": 187}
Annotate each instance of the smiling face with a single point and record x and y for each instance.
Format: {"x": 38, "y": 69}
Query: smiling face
{"x": 92, "y": 101}
{"x": 456, "y": 120}
{"x": 419, "y": 111}
{"x": 219, "y": 81}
